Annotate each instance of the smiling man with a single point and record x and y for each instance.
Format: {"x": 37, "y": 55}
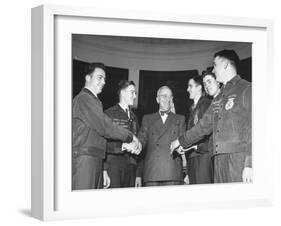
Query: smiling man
{"x": 121, "y": 164}
{"x": 157, "y": 131}
{"x": 199, "y": 167}
{"x": 229, "y": 119}
{"x": 90, "y": 129}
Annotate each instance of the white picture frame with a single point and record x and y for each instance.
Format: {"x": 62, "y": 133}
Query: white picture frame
{"x": 52, "y": 197}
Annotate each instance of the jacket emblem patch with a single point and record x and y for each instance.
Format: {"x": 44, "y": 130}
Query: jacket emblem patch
{"x": 229, "y": 104}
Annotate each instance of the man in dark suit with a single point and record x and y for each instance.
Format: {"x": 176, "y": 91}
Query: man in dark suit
{"x": 90, "y": 129}
{"x": 156, "y": 133}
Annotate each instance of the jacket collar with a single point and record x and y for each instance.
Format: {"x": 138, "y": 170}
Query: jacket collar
{"x": 201, "y": 99}
{"x": 86, "y": 90}
{"x": 233, "y": 81}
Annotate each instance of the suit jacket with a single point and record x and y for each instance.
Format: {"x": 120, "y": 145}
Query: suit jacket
{"x": 91, "y": 127}
{"x": 158, "y": 165}
{"x": 120, "y": 118}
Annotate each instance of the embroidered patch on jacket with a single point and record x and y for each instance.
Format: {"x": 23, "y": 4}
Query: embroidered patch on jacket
{"x": 229, "y": 104}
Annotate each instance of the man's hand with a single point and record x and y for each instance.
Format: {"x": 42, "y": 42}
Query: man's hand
{"x": 174, "y": 145}
{"x": 134, "y": 147}
{"x": 138, "y": 182}
{"x": 106, "y": 180}
{"x": 186, "y": 179}
{"x": 247, "y": 175}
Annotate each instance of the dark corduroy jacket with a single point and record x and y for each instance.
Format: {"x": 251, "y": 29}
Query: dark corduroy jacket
{"x": 229, "y": 117}
{"x": 91, "y": 127}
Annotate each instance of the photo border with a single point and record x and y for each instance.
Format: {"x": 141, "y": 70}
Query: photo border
{"x": 44, "y": 161}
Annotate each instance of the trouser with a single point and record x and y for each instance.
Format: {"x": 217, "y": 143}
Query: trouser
{"x": 121, "y": 171}
{"x": 87, "y": 172}
{"x": 229, "y": 167}
{"x": 161, "y": 183}
{"x": 200, "y": 169}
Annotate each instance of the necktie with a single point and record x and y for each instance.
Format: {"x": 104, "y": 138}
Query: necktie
{"x": 127, "y": 111}
{"x": 164, "y": 112}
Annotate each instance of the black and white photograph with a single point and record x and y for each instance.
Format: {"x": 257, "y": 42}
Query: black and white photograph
{"x": 150, "y": 114}
{"x": 152, "y": 111}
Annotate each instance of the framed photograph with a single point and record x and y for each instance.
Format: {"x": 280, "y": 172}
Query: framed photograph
{"x": 151, "y": 50}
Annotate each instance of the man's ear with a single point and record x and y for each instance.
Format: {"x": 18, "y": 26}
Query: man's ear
{"x": 157, "y": 100}
{"x": 122, "y": 92}
{"x": 87, "y": 78}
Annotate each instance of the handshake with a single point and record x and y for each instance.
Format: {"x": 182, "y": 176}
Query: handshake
{"x": 176, "y": 147}
{"x": 134, "y": 147}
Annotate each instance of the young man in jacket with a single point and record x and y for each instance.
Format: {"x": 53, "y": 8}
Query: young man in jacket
{"x": 122, "y": 165}
{"x": 90, "y": 129}
{"x": 230, "y": 123}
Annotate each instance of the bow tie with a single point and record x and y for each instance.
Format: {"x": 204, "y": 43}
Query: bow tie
{"x": 164, "y": 112}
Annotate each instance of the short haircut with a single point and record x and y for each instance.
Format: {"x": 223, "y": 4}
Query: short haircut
{"x": 123, "y": 84}
{"x": 164, "y": 87}
{"x": 230, "y": 55}
{"x": 92, "y": 66}
{"x": 208, "y": 72}
{"x": 198, "y": 80}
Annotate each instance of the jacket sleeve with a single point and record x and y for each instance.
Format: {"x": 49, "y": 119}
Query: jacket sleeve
{"x": 143, "y": 138}
{"x": 202, "y": 128}
{"x": 182, "y": 126}
{"x": 97, "y": 120}
{"x": 143, "y": 132}
{"x": 247, "y": 104}
{"x": 204, "y": 143}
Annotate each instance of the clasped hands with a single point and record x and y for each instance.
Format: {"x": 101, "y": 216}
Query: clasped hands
{"x": 134, "y": 147}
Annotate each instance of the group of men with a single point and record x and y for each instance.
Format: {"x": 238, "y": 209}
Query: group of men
{"x": 111, "y": 149}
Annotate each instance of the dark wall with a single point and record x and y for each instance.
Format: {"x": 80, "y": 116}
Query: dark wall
{"x": 245, "y": 69}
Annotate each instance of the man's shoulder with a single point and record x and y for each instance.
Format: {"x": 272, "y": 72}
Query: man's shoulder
{"x": 150, "y": 116}
{"x": 112, "y": 110}
{"x": 206, "y": 101}
{"x": 179, "y": 116}
{"x": 83, "y": 96}
{"x": 244, "y": 83}
{"x": 243, "y": 87}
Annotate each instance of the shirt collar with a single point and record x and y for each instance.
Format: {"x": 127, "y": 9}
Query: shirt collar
{"x": 123, "y": 107}
{"x": 198, "y": 102}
